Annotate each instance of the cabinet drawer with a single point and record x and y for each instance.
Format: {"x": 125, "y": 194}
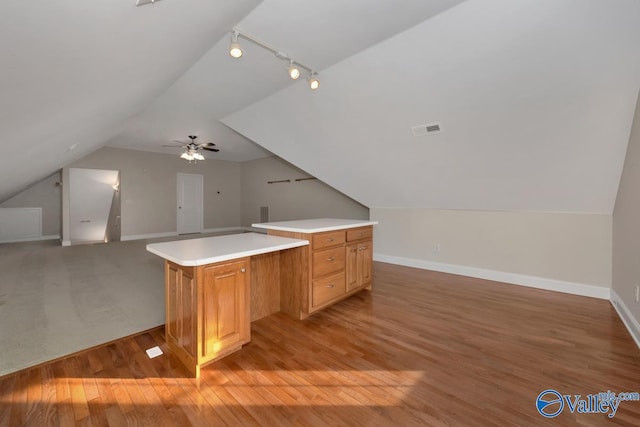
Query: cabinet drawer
{"x": 359, "y": 233}
{"x": 330, "y": 238}
{"x": 328, "y": 261}
{"x": 327, "y": 289}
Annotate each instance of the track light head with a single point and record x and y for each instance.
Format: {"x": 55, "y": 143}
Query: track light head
{"x": 294, "y": 72}
{"x": 314, "y": 83}
{"x": 234, "y": 48}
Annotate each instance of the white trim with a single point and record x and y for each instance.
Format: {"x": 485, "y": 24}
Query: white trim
{"x": 222, "y": 229}
{"x": 625, "y": 315}
{"x": 175, "y": 233}
{"x": 254, "y": 230}
{"x": 574, "y": 288}
{"x": 31, "y": 239}
{"x": 66, "y": 243}
{"x": 148, "y": 236}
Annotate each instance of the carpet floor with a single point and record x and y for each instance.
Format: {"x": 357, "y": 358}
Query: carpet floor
{"x": 56, "y": 300}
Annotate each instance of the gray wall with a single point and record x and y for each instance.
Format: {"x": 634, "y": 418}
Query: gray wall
{"x": 46, "y": 195}
{"x": 148, "y": 189}
{"x": 626, "y": 227}
{"x": 291, "y": 200}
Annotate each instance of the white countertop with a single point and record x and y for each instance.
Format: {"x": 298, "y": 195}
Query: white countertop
{"x": 314, "y": 225}
{"x": 194, "y": 252}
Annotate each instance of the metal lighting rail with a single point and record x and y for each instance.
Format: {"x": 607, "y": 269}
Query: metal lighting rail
{"x": 279, "y": 54}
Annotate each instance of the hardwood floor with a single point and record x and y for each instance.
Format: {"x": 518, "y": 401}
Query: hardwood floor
{"x": 422, "y": 348}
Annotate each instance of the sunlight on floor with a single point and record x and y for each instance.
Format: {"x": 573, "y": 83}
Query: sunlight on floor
{"x": 303, "y": 388}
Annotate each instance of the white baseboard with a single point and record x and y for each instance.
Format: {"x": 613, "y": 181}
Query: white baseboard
{"x": 625, "y": 315}
{"x": 31, "y": 239}
{"x": 222, "y": 229}
{"x": 148, "y": 236}
{"x": 66, "y": 243}
{"x": 175, "y": 233}
{"x": 582, "y": 289}
{"x": 255, "y": 230}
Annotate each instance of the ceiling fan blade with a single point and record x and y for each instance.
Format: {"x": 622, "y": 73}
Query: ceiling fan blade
{"x": 215, "y": 150}
{"x": 177, "y": 146}
{"x": 207, "y": 144}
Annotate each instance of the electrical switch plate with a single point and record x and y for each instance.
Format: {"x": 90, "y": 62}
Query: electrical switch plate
{"x": 154, "y": 352}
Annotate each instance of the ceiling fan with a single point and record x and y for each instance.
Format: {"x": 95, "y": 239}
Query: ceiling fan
{"x": 191, "y": 148}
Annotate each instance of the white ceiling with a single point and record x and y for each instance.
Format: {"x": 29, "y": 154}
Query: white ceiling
{"x": 535, "y": 96}
{"x": 318, "y": 34}
{"x": 73, "y": 72}
{"x": 536, "y": 99}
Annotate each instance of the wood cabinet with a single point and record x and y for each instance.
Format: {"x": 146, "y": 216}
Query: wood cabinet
{"x": 336, "y": 264}
{"x": 181, "y": 311}
{"x": 207, "y": 310}
{"x": 359, "y": 265}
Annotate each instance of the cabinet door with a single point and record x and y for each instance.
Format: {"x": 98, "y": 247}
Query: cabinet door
{"x": 225, "y": 315}
{"x": 352, "y": 267}
{"x": 365, "y": 262}
{"x": 181, "y": 309}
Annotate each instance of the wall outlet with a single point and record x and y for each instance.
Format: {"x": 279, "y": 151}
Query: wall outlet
{"x": 637, "y": 296}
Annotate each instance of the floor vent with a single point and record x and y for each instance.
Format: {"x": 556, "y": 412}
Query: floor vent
{"x": 428, "y": 129}
{"x": 264, "y": 213}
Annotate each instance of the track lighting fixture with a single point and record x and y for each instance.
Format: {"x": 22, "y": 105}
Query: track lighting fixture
{"x": 294, "y": 72}
{"x": 314, "y": 83}
{"x": 234, "y": 48}
{"x": 294, "y": 68}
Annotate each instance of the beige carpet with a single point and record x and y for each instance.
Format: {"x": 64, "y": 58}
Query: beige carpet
{"x": 58, "y": 300}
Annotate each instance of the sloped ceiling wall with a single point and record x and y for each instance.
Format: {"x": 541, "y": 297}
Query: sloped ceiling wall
{"x": 536, "y": 100}
{"x": 74, "y": 72}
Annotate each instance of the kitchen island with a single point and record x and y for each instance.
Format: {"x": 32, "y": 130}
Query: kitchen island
{"x": 216, "y": 286}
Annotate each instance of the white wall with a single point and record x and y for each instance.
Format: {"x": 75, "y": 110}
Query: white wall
{"x": 626, "y": 235}
{"x": 558, "y": 251}
{"x": 46, "y": 195}
{"x": 291, "y": 200}
{"x": 148, "y": 189}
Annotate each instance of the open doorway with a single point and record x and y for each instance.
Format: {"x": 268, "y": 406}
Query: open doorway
{"x": 94, "y": 205}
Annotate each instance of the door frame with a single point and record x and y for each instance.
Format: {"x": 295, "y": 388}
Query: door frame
{"x": 199, "y": 195}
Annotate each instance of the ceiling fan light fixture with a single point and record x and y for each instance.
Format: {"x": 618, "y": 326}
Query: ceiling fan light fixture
{"x": 186, "y": 155}
{"x": 197, "y": 156}
{"x": 235, "y": 50}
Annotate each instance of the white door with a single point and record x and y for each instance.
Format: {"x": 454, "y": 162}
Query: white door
{"x": 190, "y": 212}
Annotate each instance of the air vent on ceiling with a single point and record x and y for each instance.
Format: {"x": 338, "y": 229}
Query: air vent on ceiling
{"x": 428, "y": 129}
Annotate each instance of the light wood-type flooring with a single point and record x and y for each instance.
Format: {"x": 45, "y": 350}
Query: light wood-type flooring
{"x": 422, "y": 348}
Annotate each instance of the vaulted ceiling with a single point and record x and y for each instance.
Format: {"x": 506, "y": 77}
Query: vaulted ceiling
{"x": 535, "y": 97}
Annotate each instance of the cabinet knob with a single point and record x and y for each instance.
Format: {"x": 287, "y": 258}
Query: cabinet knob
{"x": 331, "y": 259}
{"x": 330, "y": 239}
{"x": 242, "y": 270}
{"x": 363, "y": 248}
{"x": 331, "y": 286}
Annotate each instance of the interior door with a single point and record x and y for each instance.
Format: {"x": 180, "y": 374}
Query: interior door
{"x": 189, "y": 208}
